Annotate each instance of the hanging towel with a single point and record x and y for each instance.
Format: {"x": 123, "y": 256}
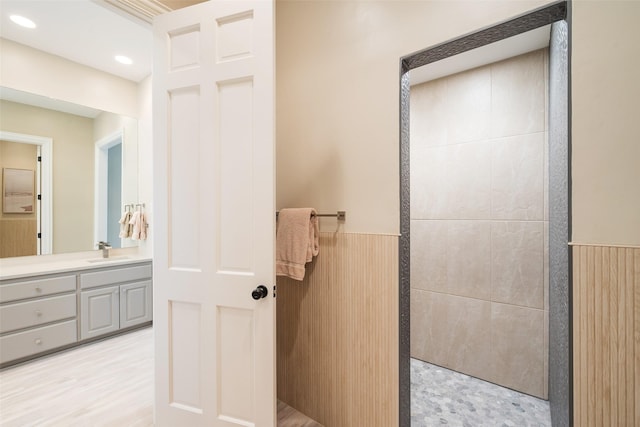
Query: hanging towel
{"x": 125, "y": 227}
{"x": 296, "y": 241}
{"x": 139, "y": 224}
{"x": 143, "y": 226}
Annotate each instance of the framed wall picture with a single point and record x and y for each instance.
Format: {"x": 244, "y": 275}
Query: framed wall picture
{"x": 18, "y": 191}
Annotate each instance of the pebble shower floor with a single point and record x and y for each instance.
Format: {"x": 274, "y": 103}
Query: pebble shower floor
{"x": 443, "y": 397}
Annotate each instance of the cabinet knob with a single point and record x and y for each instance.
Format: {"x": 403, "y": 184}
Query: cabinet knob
{"x": 38, "y": 290}
{"x": 38, "y": 313}
{"x": 38, "y": 341}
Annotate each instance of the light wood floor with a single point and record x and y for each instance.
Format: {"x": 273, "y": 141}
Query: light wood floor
{"x": 107, "y": 383}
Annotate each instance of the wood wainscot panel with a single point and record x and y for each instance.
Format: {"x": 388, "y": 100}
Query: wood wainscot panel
{"x": 606, "y": 335}
{"x": 338, "y": 333}
{"x": 18, "y": 237}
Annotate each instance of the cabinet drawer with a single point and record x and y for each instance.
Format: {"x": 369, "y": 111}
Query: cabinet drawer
{"x": 37, "y": 288}
{"x": 35, "y": 341}
{"x": 36, "y": 312}
{"x": 108, "y": 277}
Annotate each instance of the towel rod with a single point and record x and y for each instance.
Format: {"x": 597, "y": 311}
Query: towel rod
{"x": 340, "y": 215}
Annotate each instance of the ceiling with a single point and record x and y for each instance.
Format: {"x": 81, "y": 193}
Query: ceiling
{"x": 92, "y": 32}
{"x": 84, "y": 31}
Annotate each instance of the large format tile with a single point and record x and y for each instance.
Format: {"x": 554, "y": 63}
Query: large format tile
{"x": 452, "y": 257}
{"x": 419, "y": 320}
{"x": 517, "y": 177}
{"x": 517, "y": 263}
{"x": 469, "y": 258}
{"x": 456, "y": 332}
{"x": 429, "y": 254}
{"x": 429, "y": 114}
{"x": 517, "y": 348}
{"x": 451, "y": 182}
{"x": 469, "y": 105}
{"x": 517, "y": 95}
{"x": 469, "y": 181}
{"x": 429, "y": 197}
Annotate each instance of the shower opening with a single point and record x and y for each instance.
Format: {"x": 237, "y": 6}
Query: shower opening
{"x": 477, "y": 287}
{"x": 479, "y": 217}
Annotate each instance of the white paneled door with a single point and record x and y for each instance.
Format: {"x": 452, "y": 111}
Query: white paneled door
{"x": 213, "y": 113}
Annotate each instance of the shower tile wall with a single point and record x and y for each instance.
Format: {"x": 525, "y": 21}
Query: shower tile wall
{"x": 479, "y": 222}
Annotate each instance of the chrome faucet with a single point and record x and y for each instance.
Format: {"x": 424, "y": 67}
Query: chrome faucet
{"x": 105, "y": 248}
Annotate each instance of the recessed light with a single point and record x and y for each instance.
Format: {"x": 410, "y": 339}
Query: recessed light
{"x": 22, "y": 21}
{"x": 124, "y": 59}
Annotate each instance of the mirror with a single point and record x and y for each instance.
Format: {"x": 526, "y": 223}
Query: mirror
{"x": 93, "y": 174}
{"x": 72, "y": 53}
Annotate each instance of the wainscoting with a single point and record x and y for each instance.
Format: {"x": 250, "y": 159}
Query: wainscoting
{"x": 17, "y": 237}
{"x": 338, "y": 333}
{"x": 606, "y": 335}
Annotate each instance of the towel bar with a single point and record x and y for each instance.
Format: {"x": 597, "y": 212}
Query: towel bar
{"x": 340, "y": 215}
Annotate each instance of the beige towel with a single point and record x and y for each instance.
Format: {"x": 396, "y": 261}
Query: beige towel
{"x": 139, "y": 224}
{"x": 296, "y": 241}
{"x": 125, "y": 227}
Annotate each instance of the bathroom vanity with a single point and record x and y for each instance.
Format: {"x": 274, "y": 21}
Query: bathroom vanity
{"x": 71, "y": 302}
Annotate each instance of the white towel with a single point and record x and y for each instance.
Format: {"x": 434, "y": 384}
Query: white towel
{"x": 296, "y": 241}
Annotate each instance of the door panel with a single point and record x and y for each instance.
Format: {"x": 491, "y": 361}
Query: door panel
{"x": 235, "y": 355}
{"x": 214, "y": 215}
{"x": 184, "y": 354}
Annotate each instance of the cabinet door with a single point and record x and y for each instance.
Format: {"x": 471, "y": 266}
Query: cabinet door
{"x": 135, "y": 303}
{"x": 99, "y": 312}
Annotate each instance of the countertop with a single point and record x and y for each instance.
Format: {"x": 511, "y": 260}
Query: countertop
{"x": 15, "y": 268}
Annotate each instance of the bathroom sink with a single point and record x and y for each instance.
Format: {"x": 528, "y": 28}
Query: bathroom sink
{"x": 113, "y": 258}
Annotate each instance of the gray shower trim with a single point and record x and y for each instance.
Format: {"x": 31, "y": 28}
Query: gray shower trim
{"x": 560, "y": 336}
{"x": 560, "y": 366}
{"x": 514, "y": 26}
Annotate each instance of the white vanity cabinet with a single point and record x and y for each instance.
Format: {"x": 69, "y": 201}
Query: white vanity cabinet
{"x": 114, "y": 299}
{"x": 48, "y": 312}
{"x": 37, "y": 315}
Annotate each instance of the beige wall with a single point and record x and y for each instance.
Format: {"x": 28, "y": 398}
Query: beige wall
{"x": 479, "y": 220}
{"x": 337, "y": 105}
{"x": 606, "y": 131}
{"x": 73, "y": 156}
{"x": 31, "y": 70}
{"x": 337, "y": 97}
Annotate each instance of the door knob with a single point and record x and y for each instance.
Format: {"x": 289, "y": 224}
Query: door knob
{"x": 259, "y": 292}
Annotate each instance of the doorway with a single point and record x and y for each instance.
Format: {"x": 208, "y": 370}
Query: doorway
{"x": 108, "y": 189}
{"x": 559, "y": 326}
{"x": 44, "y": 183}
